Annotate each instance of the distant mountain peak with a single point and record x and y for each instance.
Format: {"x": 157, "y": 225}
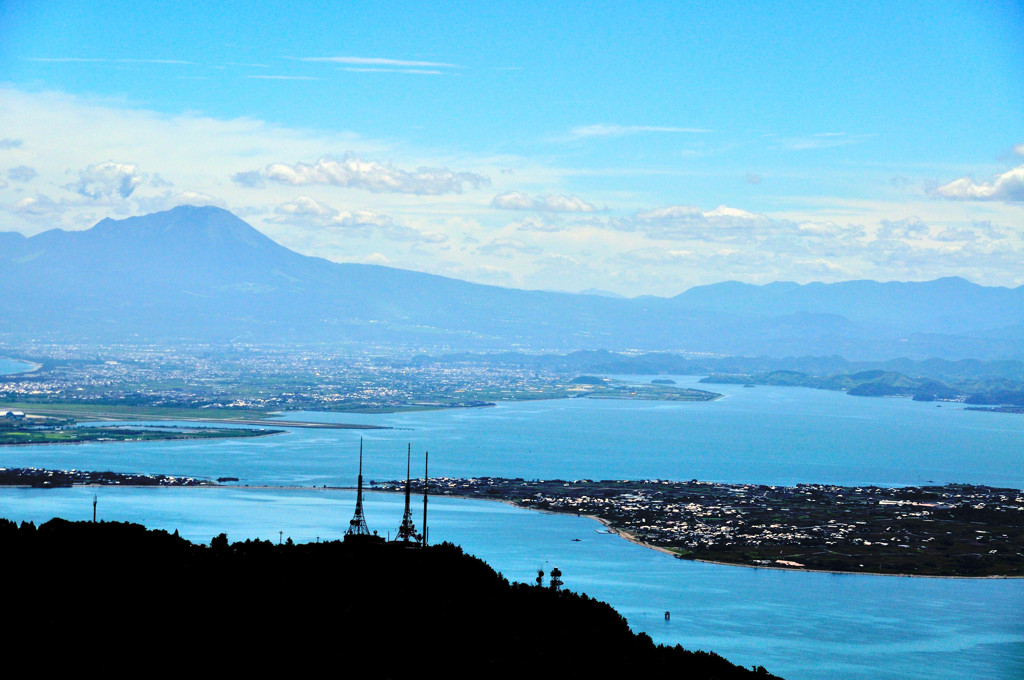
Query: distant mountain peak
{"x": 201, "y": 272}
{"x": 198, "y": 225}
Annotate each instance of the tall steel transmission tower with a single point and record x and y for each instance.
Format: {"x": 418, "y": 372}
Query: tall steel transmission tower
{"x": 357, "y": 525}
{"x": 426, "y": 482}
{"x": 407, "y": 531}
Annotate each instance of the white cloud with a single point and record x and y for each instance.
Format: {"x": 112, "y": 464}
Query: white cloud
{"x": 378, "y": 61}
{"x": 306, "y": 207}
{"x": 263, "y": 77}
{"x": 308, "y": 212}
{"x": 955, "y": 234}
{"x": 507, "y": 247}
{"x": 558, "y": 260}
{"x": 1018, "y": 149}
{"x": 547, "y": 222}
{"x": 517, "y": 200}
{"x": 689, "y": 212}
{"x": 94, "y": 60}
{"x": 718, "y": 239}
{"x": 612, "y": 130}
{"x": 418, "y": 71}
{"x": 249, "y": 178}
{"x": 22, "y": 173}
{"x": 823, "y": 140}
{"x": 377, "y": 258}
{"x": 724, "y": 211}
{"x": 685, "y": 221}
{"x": 35, "y": 206}
{"x": 104, "y": 180}
{"x": 355, "y": 172}
{"x": 826, "y": 228}
{"x": 907, "y": 228}
{"x": 672, "y": 212}
{"x": 1008, "y": 186}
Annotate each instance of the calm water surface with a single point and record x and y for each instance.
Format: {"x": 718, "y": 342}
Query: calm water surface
{"x": 767, "y": 435}
{"x": 797, "y": 625}
{"x": 10, "y": 367}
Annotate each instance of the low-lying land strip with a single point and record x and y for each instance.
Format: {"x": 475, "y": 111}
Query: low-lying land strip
{"x": 83, "y": 434}
{"x": 41, "y": 478}
{"x": 954, "y": 530}
{"x": 150, "y": 413}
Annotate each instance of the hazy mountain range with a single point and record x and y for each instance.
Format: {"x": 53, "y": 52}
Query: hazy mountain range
{"x": 202, "y": 274}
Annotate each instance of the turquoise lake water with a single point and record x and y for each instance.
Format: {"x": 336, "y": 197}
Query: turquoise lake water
{"x": 797, "y": 625}
{"x": 766, "y": 435}
{"x": 9, "y": 367}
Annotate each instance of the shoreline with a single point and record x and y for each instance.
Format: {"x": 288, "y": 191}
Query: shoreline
{"x": 620, "y": 533}
{"x": 35, "y": 366}
{"x": 136, "y": 441}
{"x": 632, "y": 539}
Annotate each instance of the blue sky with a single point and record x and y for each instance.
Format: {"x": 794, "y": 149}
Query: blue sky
{"x": 641, "y": 148}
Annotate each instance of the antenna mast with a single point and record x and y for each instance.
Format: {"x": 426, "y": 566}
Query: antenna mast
{"x": 426, "y": 482}
{"x": 357, "y": 525}
{"x": 407, "y": 531}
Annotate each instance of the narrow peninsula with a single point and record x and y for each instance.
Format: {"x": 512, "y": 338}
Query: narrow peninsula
{"x": 957, "y": 530}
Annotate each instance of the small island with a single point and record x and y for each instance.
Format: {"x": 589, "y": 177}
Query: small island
{"x": 957, "y": 530}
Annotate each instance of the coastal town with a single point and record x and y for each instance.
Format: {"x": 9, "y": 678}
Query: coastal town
{"x": 952, "y": 530}
{"x": 254, "y": 380}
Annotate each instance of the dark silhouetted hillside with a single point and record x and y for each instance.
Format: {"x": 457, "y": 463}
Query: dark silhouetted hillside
{"x": 120, "y": 599}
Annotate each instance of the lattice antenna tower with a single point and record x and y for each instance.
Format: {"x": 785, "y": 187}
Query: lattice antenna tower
{"x": 357, "y": 525}
{"x": 426, "y": 482}
{"x": 407, "y": 531}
